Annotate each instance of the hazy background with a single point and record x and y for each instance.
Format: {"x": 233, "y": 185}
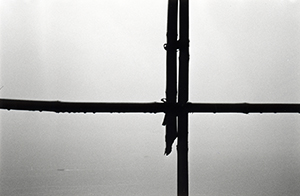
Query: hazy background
{"x": 112, "y": 50}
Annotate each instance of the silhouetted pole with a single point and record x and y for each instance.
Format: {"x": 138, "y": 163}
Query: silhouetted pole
{"x": 171, "y": 78}
{"x": 171, "y": 48}
{"x": 182, "y": 146}
{"x": 151, "y": 107}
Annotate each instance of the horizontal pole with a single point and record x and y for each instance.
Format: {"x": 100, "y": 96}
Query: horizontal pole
{"x": 81, "y": 107}
{"x": 152, "y": 107}
{"x": 242, "y": 108}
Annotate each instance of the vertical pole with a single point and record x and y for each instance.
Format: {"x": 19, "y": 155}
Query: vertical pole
{"x": 171, "y": 87}
{"x": 182, "y": 147}
{"x": 172, "y": 51}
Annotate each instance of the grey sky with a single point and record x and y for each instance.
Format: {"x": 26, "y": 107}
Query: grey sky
{"x": 241, "y": 51}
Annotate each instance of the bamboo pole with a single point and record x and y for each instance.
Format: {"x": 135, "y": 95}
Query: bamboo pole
{"x": 171, "y": 77}
{"x": 183, "y": 88}
{"x": 151, "y": 107}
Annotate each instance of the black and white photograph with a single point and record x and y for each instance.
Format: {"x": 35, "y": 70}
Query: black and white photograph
{"x": 150, "y": 98}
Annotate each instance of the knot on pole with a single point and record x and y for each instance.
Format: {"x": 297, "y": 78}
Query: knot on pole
{"x": 172, "y": 45}
{"x": 245, "y": 108}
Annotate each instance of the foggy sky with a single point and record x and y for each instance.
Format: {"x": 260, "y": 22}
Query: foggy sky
{"x": 240, "y": 51}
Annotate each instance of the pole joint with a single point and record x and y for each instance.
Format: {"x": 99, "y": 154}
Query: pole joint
{"x": 172, "y": 45}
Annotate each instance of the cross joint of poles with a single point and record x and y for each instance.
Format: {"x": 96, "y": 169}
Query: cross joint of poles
{"x": 176, "y": 109}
